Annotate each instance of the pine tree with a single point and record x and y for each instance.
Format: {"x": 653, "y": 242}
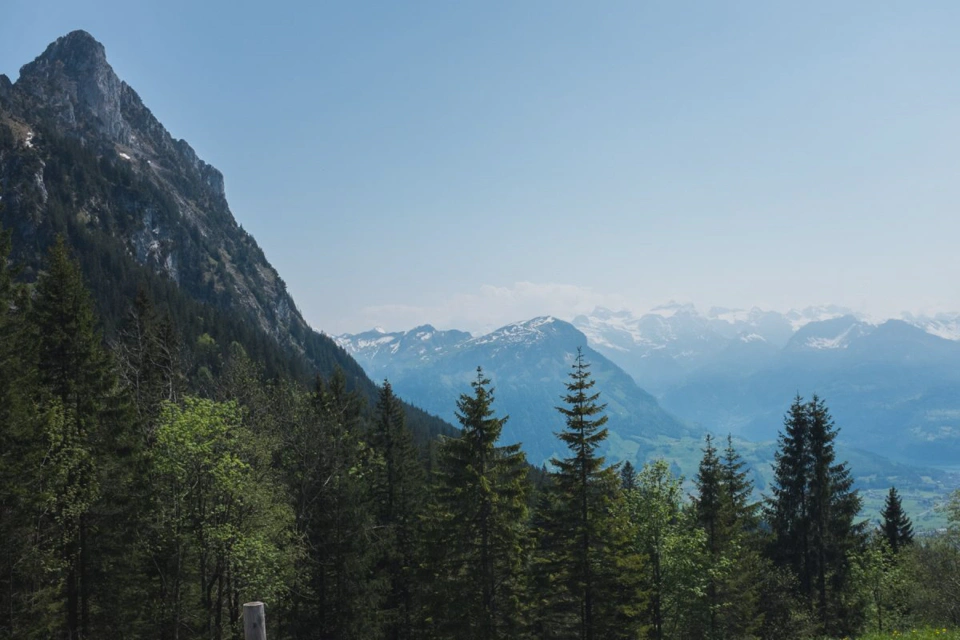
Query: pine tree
{"x": 398, "y": 495}
{"x": 628, "y": 476}
{"x": 788, "y": 510}
{"x": 479, "y": 526}
{"x": 896, "y": 526}
{"x": 76, "y": 371}
{"x": 709, "y": 499}
{"x": 21, "y": 453}
{"x": 739, "y": 491}
{"x": 812, "y": 514}
{"x": 336, "y": 513}
{"x": 834, "y": 506}
{"x": 711, "y": 507}
{"x": 147, "y": 351}
{"x": 588, "y": 533}
{"x": 724, "y": 510}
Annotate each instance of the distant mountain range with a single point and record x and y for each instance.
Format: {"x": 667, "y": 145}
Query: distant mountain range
{"x": 893, "y": 386}
{"x": 886, "y": 384}
{"x": 529, "y": 363}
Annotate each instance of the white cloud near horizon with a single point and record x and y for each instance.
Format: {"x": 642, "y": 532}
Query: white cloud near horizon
{"x": 491, "y": 307}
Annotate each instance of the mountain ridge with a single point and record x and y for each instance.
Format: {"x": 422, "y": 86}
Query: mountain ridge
{"x": 81, "y": 156}
{"x": 528, "y": 363}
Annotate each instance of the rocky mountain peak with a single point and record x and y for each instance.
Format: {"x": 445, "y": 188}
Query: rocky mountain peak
{"x": 73, "y": 80}
{"x": 72, "y": 86}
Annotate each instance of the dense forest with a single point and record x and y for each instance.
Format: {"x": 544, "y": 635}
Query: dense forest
{"x": 148, "y": 488}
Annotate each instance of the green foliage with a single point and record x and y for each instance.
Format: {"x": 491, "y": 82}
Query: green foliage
{"x": 478, "y": 527}
{"x": 399, "y": 491}
{"x": 328, "y": 468}
{"x": 723, "y": 510}
{"x": 880, "y": 575}
{"x": 587, "y": 568}
{"x": 811, "y": 514}
{"x": 896, "y": 526}
{"x": 221, "y": 528}
{"x": 128, "y": 504}
{"x": 678, "y": 571}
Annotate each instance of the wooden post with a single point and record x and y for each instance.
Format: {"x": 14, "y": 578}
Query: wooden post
{"x": 254, "y": 624}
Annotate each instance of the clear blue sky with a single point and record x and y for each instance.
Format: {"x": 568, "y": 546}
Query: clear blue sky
{"x": 474, "y": 163}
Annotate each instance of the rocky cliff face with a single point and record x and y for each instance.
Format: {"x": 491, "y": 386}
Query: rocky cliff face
{"x": 174, "y": 218}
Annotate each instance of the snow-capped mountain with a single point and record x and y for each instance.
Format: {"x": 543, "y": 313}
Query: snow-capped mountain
{"x": 894, "y": 385}
{"x": 529, "y": 363}
{"x": 379, "y": 352}
{"x": 942, "y": 325}
{"x": 663, "y": 346}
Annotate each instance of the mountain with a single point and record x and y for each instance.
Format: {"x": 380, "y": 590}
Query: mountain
{"x": 529, "y": 363}
{"x": 82, "y": 156}
{"x": 893, "y": 386}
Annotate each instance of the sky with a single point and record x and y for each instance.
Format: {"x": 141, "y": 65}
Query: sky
{"x": 470, "y": 164}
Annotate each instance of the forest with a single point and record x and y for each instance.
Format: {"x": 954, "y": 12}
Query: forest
{"x": 149, "y": 487}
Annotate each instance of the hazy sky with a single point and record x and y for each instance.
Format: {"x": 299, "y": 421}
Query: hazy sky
{"x": 474, "y": 163}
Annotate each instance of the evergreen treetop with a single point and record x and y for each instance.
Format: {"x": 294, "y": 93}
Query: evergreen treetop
{"x": 895, "y": 525}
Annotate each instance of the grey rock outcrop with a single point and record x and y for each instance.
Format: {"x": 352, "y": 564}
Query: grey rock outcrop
{"x": 71, "y": 91}
{"x": 6, "y": 89}
{"x": 75, "y": 85}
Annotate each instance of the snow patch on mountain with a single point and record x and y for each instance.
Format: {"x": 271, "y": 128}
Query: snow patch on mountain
{"x": 841, "y": 341}
{"x": 518, "y": 332}
{"x": 942, "y": 325}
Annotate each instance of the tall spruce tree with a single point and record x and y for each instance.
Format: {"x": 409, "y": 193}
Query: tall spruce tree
{"x": 587, "y": 537}
{"x": 896, "y": 526}
{"x": 478, "y": 522}
{"x": 711, "y": 507}
{"x": 147, "y": 352}
{"x": 398, "y": 496}
{"x": 812, "y": 513}
{"x": 335, "y": 504}
{"x": 723, "y": 508}
{"x": 21, "y": 453}
{"x": 77, "y": 374}
{"x": 788, "y": 509}
{"x": 834, "y": 506}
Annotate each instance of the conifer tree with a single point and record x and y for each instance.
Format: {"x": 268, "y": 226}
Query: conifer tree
{"x": 788, "y": 509}
{"x": 76, "y": 372}
{"x": 709, "y": 499}
{"x": 896, "y": 526}
{"x": 812, "y": 514}
{"x": 723, "y": 508}
{"x": 711, "y": 507}
{"x": 398, "y": 495}
{"x": 833, "y": 507}
{"x": 587, "y": 537}
{"x": 21, "y": 451}
{"x": 479, "y": 526}
{"x": 336, "y": 517}
{"x": 147, "y": 351}
{"x": 628, "y": 476}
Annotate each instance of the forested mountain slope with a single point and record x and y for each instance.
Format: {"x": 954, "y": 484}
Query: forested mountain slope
{"x": 82, "y": 156}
